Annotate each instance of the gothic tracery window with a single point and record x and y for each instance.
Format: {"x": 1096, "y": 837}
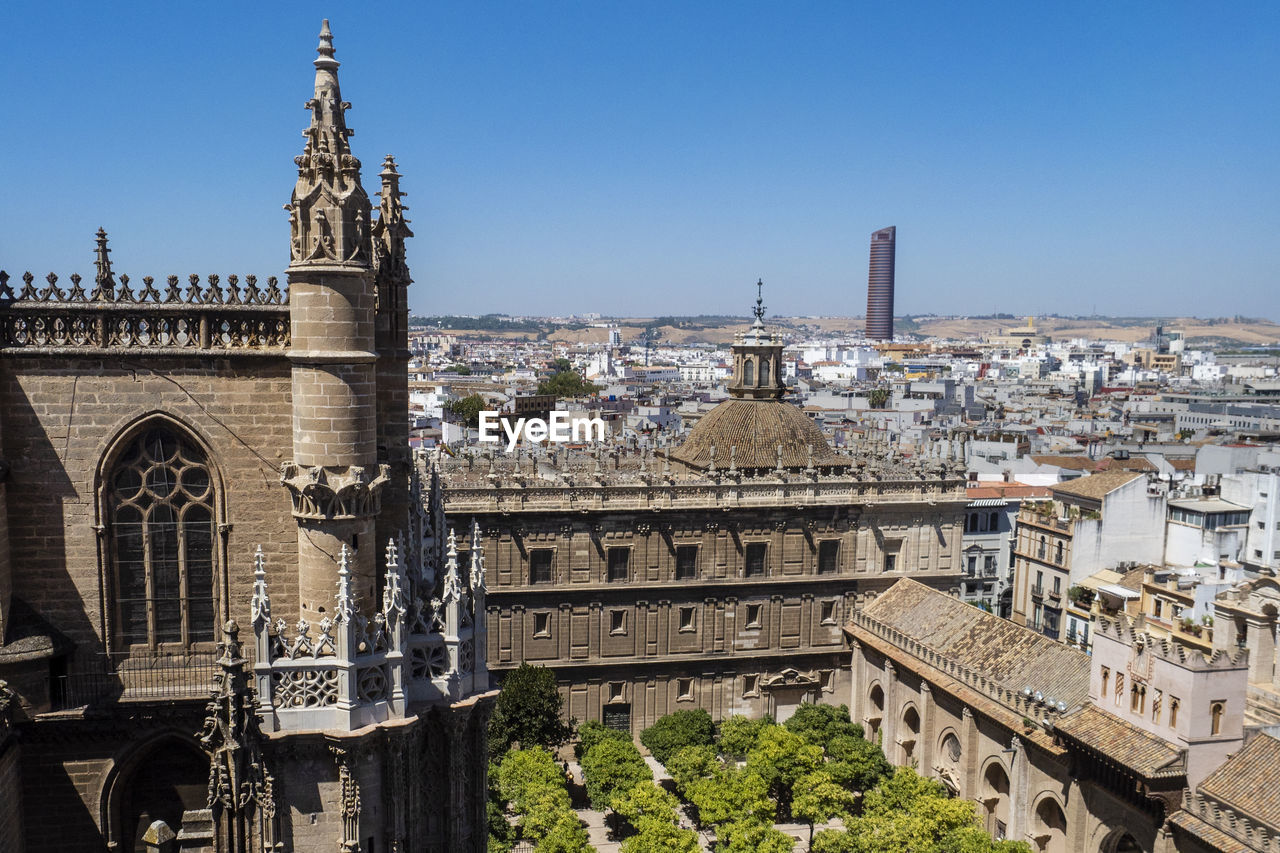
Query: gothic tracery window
{"x": 160, "y": 510}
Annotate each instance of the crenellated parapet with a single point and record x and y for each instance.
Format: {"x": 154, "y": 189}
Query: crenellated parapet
{"x": 1168, "y": 649}
{"x": 206, "y": 317}
{"x": 334, "y": 492}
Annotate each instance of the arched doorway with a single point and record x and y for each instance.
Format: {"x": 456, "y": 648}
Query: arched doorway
{"x": 995, "y": 799}
{"x": 158, "y": 781}
{"x": 1120, "y": 841}
{"x": 1050, "y": 833}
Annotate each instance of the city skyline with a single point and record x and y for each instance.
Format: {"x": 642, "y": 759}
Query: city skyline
{"x": 637, "y": 162}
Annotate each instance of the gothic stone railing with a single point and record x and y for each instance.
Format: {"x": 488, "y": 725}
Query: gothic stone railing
{"x": 231, "y": 320}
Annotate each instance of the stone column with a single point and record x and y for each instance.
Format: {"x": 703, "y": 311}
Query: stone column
{"x": 1019, "y": 821}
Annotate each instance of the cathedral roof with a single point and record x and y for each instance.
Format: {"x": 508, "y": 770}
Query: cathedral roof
{"x": 1008, "y": 654}
{"x": 1149, "y": 756}
{"x": 748, "y": 433}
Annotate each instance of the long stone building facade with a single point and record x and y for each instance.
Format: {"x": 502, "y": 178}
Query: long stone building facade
{"x": 716, "y": 575}
{"x": 206, "y": 487}
{"x": 1141, "y": 746}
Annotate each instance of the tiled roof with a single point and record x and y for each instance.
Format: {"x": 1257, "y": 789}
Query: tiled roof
{"x": 1133, "y": 463}
{"x": 1206, "y": 832}
{"x": 1247, "y": 781}
{"x": 1007, "y": 653}
{"x": 1077, "y": 462}
{"x": 1142, "y": 752}
{"x": 754, "y": 429}
{"x": 1096, "y": 486}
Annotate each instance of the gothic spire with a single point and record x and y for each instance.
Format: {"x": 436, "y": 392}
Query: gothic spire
{"x": 104, "y": 279}
{"x": 329, "y": 211}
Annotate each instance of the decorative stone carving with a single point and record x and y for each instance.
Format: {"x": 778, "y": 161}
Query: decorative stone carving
{"x": 329, "y": 211}
{"x": 334, "y": 492}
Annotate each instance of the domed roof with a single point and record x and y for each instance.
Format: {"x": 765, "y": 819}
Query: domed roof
{"x": 750, "y": 431}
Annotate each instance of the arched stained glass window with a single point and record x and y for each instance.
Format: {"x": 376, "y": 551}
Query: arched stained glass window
{"x": 160, "y": 505}
{"x": 748, "y": 372}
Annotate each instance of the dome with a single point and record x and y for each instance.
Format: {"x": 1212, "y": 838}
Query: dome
{"x": 754, "y": 429}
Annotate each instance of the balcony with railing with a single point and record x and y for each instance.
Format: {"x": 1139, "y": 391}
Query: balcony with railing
{"x": 107, "y": 678}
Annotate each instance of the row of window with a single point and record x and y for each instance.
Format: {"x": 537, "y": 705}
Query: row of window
{"x": 1138, "y": 702}
{"x": 688, "y": 619}
{"x": 618, "y": 561}
{"x": 982, "y": 522}
{"x": 617, "y": 690}
{"x": 1209, "y": 520}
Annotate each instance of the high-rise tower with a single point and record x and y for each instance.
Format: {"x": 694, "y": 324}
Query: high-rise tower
{"x": 880, "y": 285}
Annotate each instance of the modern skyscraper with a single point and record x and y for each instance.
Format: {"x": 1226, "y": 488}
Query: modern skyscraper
{"x": 880, "y": 285}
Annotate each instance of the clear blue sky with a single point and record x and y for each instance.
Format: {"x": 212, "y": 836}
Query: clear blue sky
{"x": 656, "y": 158}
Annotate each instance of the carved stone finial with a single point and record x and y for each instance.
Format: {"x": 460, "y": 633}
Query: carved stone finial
{"x": 393, "y": 606}
{"x": 104, "y": 279}
{"x": 260, "y": 603}
{"x": 345, "y": 608}
{"x": 452, "y": 581}
{"x": 477, "y": 558}
{"x": 759, "y": 309}
{"x": 329, "y": 212}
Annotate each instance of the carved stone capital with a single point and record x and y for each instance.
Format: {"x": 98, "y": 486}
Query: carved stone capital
{"x": 334, "y": 492}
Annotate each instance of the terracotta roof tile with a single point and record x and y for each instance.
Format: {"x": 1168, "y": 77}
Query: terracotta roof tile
{"x": 1096, "y": 486}
{"x": 1007, "y": 653}
{"x": 1142, "y": 752}
{"x": 1247, "y": 781}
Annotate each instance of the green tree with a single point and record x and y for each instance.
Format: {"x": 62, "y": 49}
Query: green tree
{"x": 528, "y": 711}
{"x": 592, "y": 732}
{"x": 732, "y": 794}
{"x": 780, "y": 758}
{"x": 567, "y": 383}
{"x": 739, "y": 734}
{"x": 545, "y": 807}
{"x": 656, "y": 837}
{"x": 644, "y": 801}
{"x": 816, "y": 798}
{"x": 567, "y": 836}
{"x": 525, "y": 770}
{"x": 677, "y": 730}
{"x": 501, "y": 833}
{"x": 561, "y": 365}
{"x": 819, "y": 724}
{"x": 752, "y": 836}
{"x": 460, "y": 369}
{"x": 468, "y": 409}
{"x": 856, "y": 763}
{"x": 612, "y": 766}
{"x": 690, "y": 763}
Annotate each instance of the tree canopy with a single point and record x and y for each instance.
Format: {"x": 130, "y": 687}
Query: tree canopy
{"x": 677, "y": 730}
{"x": 567, "y": 383}
{"x": 528, "y": 711}
{"x": 611, "y": 766}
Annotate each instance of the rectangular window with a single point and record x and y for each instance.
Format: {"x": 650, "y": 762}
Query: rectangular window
{"x": 687, "y": 622}
{"x": 753, "y": 615}
{"x": 617, "y": 621}
{"x": 616, "y": 689}
{"x": 828, "y": 557}
{"x": 1057, "y": 585}
{"x": 755, "y": 560}
{"x": 972, "y": 567}
{"x": 686, "y": 562}
{"x": 1173, "y": 711}
{"x": 890, "y": 562}
{"x": 618, "y": 560}
{"x": 828, "y": 613}
{"x": 540, "y": 565}
{"x": 750, "y": 685}
{"x": 542, "y": 624}
{"x": 684, "y": 690}
{"x": 989, "y": 564}
{"x": 1159, "y": 606}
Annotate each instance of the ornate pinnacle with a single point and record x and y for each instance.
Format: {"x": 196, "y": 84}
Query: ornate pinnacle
{"x": 452, "y": 582}
{"x": 260, "y": 604}
{"x": 759, "y": 309}
{"x": 344, "y": 608}
{"x": 393, "y": 592}
{"x": 477, "y": 558}
{"x": 104, "y": 279}
{"x": 329, "y": 212}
